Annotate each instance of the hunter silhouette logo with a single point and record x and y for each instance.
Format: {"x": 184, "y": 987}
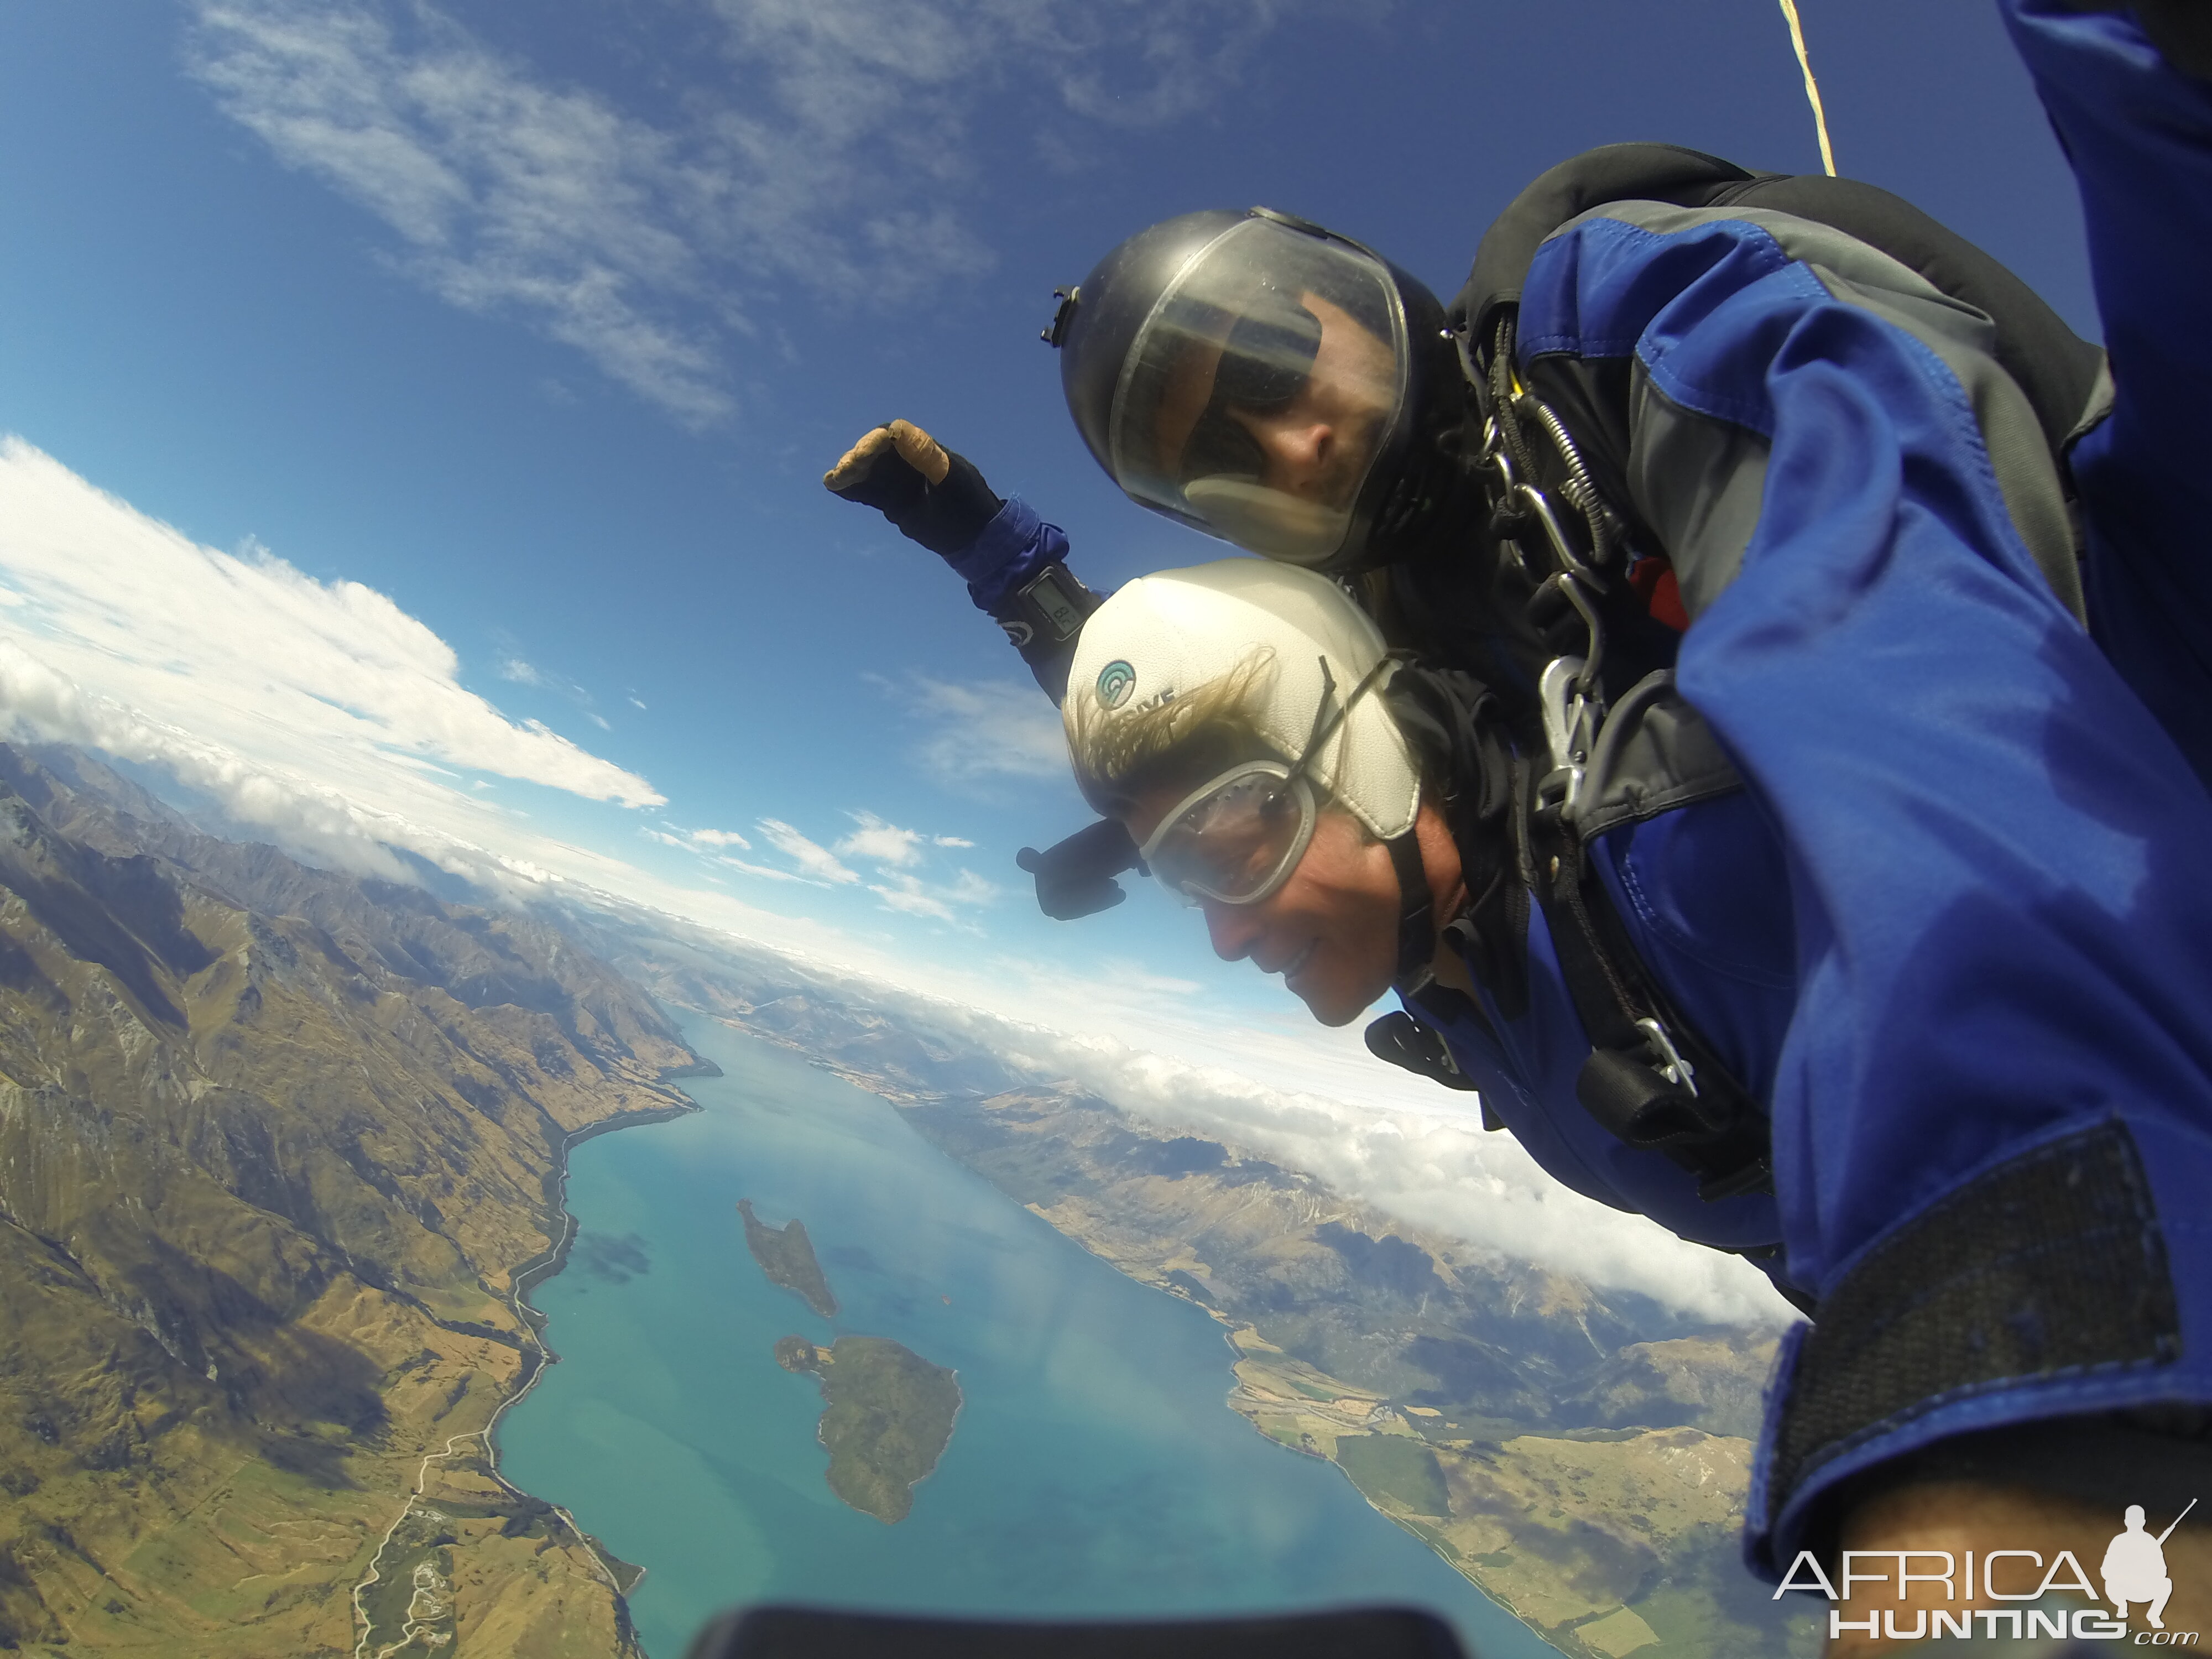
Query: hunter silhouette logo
{"x": 2133, "y": 1572}
{"x": 2134, "y": 1567}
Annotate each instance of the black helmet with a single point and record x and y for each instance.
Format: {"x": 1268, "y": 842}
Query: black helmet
{"x": 1268, "y": 382}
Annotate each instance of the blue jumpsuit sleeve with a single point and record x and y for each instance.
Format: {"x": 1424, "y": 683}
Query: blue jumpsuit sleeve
{"x": 1013, "y": 548}
{"x": 1992, "y": 1105}
{"x": 2139, "y": 134}
{"x": 1016, "y": 548}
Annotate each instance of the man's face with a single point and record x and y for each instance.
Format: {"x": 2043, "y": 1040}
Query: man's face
{"x": 1313, "y": 446}
{"x": 1331, "y": 929}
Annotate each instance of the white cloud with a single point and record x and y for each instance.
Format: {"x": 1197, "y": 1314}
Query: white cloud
{"x": 811, "y": 858}
{"x": 882, "y": 843}
{"x": 940, "y": 901}
{"x": 708, "y": 843}
{"x": 766, "y": 872}
{"x": 352, "y": 711}
{"x": 1309, "y": 1099}
{"x": 1434, "y": 1166}
{"x": 510, "y": 196}
{"x": 518, "y": 669}
{"x": 985, "y": 729}
{"x": 322, "y": 716}
{"x": 823, "y": 150}
{"x": 910, "y": 898}
{"x": 896, "y": 852}
{"x": 885, "y": 843}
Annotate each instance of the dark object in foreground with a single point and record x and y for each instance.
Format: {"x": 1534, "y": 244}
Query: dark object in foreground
{"x": 1075, "y": 876}
{"x": 815, "y": 1633}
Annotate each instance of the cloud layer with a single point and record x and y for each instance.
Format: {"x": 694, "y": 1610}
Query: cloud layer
{"x": 1406, "y": 1148}
{"x": 321, "y": 715}
{"x": 321, "y": 712}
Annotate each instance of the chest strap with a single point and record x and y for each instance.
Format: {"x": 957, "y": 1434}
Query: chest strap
{"x": 1651, "y": 1079}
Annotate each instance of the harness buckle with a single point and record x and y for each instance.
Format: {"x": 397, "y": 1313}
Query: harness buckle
{"x": 1572, "y": 712}
{"x": 1667, "y": 1057}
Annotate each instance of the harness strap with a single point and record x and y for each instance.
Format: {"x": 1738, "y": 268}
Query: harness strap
{"x": 1650, "y": 1079}
{"x": 1417, "y": 928}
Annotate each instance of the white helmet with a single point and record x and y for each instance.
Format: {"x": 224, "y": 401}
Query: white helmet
{"x": 1163, "y": 636}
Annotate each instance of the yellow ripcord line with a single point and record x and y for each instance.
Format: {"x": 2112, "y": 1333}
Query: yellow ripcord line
{"x": 1811, "y": 86}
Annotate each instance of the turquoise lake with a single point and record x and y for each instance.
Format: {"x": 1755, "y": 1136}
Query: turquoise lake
{"x": 1095, "y": 1469}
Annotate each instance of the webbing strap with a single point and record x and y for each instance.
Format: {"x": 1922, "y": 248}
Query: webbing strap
{"x": 1417, "y": 928}
{"x": 1714, "y": 1130}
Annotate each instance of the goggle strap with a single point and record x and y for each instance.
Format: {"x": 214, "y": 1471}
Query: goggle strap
{"x": 1325, "y": 720}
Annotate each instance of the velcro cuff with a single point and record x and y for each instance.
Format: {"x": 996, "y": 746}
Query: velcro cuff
{"x": 2044, "y": 1273}
{"x": 995, "y": 565}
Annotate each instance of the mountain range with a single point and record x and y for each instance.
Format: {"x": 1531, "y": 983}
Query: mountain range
{"x": 279, "y": 1149}
{"x": 282, "y": 1150}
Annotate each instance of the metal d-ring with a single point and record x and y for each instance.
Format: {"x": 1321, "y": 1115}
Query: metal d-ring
{"x": 1540, "y": 504}
{"x": 1594, "y": 658}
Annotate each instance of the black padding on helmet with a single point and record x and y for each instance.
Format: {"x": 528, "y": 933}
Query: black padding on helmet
{"x": 1611, "y": 173}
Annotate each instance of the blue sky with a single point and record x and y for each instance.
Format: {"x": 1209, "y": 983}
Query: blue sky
{"x": 484, "y": 359}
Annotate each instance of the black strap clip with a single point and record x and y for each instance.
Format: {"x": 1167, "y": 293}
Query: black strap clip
{"x": 1648, "y": 1097}
{"x": 1403, "y": 1041}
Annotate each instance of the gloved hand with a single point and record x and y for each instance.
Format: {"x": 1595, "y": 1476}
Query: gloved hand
{"x": 930, "y": 495}
{"x": 1075, "y": 876}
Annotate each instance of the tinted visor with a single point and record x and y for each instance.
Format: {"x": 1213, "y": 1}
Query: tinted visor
{"x": 1261, "y": 387}
{"x": 1238, "y": 838}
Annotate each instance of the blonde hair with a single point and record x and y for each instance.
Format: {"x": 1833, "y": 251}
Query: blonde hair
{"x": 1118, "y": 756}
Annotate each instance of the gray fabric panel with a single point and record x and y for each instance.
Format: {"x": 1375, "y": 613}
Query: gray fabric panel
{"x": 1960, "y": 336}
{"x": 1654, "y": 753}
{"x": 1698, "y": 482}
{"x": 1806, "y": 239}
{"x": 2097, "y": 410}
{"x": 2010, "y": 432}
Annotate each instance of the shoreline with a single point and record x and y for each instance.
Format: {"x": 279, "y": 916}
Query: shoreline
{"x": 539, "y": 1356}
{"x": 547, "y": 1264}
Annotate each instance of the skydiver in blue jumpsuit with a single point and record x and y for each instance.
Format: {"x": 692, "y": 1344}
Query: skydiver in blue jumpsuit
{"x": 1953, "y": 934}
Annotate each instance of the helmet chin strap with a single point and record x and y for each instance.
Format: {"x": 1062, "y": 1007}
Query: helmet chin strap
{"x": 1417, "y": 928}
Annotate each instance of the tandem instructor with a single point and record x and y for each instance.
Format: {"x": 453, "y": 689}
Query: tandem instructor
{"x": 1739, "y": 675}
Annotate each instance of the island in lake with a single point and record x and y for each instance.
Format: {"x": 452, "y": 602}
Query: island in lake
{"x": 887, "y": 1412}
{"x": 785, "y": 1254}
{"x": 887, "y": 1417}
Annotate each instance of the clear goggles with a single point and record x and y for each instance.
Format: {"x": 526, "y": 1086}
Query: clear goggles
{"x": 1235, "y": 838}
{"x": 1260, "y": 390}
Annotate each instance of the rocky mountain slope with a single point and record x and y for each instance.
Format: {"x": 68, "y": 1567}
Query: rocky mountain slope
{"x": 276, "y": 1148}
{"x": 1582, "y": 1456}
